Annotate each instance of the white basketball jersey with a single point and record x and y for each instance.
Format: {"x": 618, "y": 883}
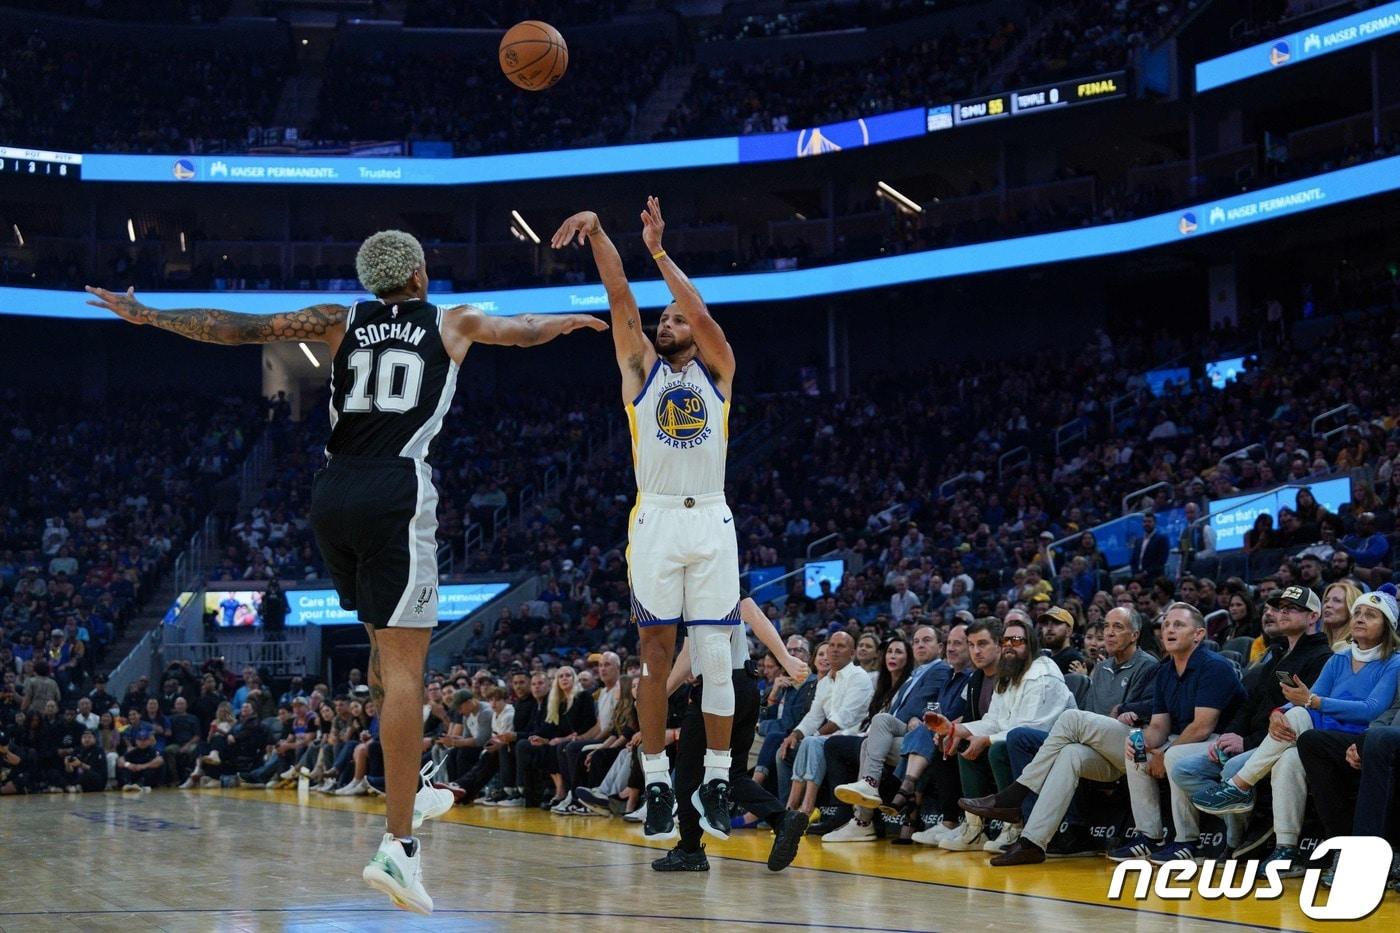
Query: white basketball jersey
{"x": 680, "y": 432}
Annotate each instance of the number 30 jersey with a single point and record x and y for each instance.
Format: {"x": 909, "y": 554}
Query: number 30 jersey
{"x": 680, "y": 432}
{"x": 391, "y": 381}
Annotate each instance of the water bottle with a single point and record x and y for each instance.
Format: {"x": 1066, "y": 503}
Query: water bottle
{"x": 1139, "y": 743}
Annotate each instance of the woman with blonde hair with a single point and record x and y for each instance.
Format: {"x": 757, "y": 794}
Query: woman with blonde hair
{"x": 209, "y": 750}
{"x": 569, "y": 712}
{"x": 1335, "y": 620}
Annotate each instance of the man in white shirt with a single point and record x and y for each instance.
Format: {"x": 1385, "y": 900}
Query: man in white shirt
{"x": 903, "y": 599}
{"x": 837, "y": 710}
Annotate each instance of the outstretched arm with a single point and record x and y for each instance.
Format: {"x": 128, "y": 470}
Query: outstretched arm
{"x": 772, "y": 639}
{"x": 635, "y": 354}
{"x": 715, "y": 351}
{"x": 471, "y": 324}
{"x": 324, "y": 323}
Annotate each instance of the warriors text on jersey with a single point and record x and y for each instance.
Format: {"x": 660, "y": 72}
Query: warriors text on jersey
{"x": 680, "y": 432}
{"x": 391, "y": 381}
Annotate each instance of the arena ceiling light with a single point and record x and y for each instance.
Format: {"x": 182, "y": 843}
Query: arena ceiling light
{"x": 184, "y": 246}
{"x": 131, "y": 230}
{"x": 309, "y": 355}
{"x": 19, "y": 237}
{"x": 523, "y": 227}
{"x": 899, "y": 200}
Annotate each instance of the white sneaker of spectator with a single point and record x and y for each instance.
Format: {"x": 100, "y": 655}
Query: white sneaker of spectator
{"x": 966, "y": 838}
{"x": 131, "y": 788}
{"x": 289, "y": 775}
{"x": 513, "y": 798}
{"x": 851, "y": 831}
{"x": 394, "y": 872}
{"x": 564, "y": 805}
{"x": 638, "y": 815}
{"x": 858, "y": 793}
{"x": 374, "y": 791}
{"x": 212, "y": 758}
{"x": 1010, "y": 832}
{"x": 205, "y": 783}
{"x": 353, "y": 789}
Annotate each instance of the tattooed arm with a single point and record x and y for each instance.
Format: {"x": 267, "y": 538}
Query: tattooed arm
{"x": 319, "y": 323}
{"x": 635, "y": 353}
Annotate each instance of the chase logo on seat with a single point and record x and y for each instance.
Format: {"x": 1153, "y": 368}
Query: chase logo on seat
{"x": 681, "y": 418}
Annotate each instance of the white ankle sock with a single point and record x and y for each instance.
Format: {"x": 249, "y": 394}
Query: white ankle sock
{"x": 656, "y": 768}
{"x": 717, "y": 763}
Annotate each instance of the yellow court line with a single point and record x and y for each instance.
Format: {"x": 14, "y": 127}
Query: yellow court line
{"x": 1080, "y": 881}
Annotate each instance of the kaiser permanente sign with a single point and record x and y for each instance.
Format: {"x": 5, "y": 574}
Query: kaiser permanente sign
{"x": 1305, "y": 194}
{"x": 1344, "y": 33}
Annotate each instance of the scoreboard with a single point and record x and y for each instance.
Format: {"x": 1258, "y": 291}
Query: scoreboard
{"x": 40, "y": 163}
{"x": 1029, "y": 100}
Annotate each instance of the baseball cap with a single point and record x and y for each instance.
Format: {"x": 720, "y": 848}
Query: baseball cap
{"x": 1299, "y": 596}
{"x": 144, "y": 731}
{"x": 462, "y": 696}
{"x": 360, "y": 692}
{"x": 1040, "y": 598}
{"x": 1059, "y": 614}
{"x": 1046, "y": 536}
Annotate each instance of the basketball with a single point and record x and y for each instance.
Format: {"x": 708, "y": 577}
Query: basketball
{"x": 533, "y": 55}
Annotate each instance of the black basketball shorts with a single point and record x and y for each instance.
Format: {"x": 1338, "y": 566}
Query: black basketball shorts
{"x": 375, "y": 520}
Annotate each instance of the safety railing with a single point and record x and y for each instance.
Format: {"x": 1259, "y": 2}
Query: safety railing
{"x": 1137, "y": 494}
{"x": 1070, "y": 431}
{"x": 137, "y": 663}
{"x": 822, "y": 540}
{"x": 1013, "y": 458}
{"x": 1341, "y": 411}
{"x": 280, "y": 657}
{"x": 947, "y": 487}
{"x": 1242, "y": 454}
{"x": 1122, "y": 406}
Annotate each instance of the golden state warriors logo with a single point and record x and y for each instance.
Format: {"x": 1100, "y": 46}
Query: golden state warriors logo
{"x": 1279, "y": 53}
{"x": 681, "y": 415}
{"x": 184, "y": 169}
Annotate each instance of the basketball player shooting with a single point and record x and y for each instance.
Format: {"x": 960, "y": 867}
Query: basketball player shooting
{"x": 374, "y": 508}
{"x": 682, "y": 554}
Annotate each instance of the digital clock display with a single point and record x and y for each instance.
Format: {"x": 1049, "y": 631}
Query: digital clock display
{"x": 40, "y": 163}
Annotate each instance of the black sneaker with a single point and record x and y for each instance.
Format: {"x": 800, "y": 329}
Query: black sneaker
{"x": 786, "y": 838}
{"x": 1074, "y": 842}
{"x": 711, "y": 800}
{"x": 661, "y": 812}
{"x": 1257, "y": 835}
{"x": 678, "y": 860}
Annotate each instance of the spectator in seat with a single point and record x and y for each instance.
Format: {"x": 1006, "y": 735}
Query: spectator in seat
{"x": 839, "y": 709}
{"x": 1361, "y": 774}
{"x": 569, "y": 711}
{"x": 1298, "y": 650}
{"x": 1194, "y": 690}
{"x": 902, "y": 600}
{"x": 86, "y": 769}
{"x": 467, "y": 734}
{"x": 1367, "y": 546}
{"x": 1030, "y": 691}
{"x": 793, "y": 702}
{"x": 39, "y": 689}
{"x": 238, "y": 749}
{"x": 1149, "y": 553}
{"x": 1354, "y": 689}
{"x": 141, "y": 767}
{"x": 1056, "y": 626}
{"x": 1082, "y": 744}
{"x": 880, "y": 747}
{"x": 1337, "y": 601}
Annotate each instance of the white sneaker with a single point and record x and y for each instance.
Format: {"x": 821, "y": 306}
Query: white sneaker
{"x": 858, "y": 793}
{"x": 928, "y": 837}
{"x": 289, "y": 775}
{"x": 353, "y": 789}
{"x": 212, "y": 758}
{"x": 205, "y": 783}
{"x": 374, "y": 791}
{"x": 851, "y": 831}
{"x": 1010, "y": 832}
{"x": 145, "y": 789}
{"x": 638, "y": 815}
{"x": 431, "y": 803}
{"x": 191, "y": 782}
{"x": 325, "y": 787}
{"x": 392, "y": 872}
{"x": 563, "y": 805}
{"x": 131, "y": 788}
{"x": 966, "y": 838}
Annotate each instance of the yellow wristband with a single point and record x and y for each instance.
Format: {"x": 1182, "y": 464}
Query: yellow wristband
{"x": 659, "y": 255}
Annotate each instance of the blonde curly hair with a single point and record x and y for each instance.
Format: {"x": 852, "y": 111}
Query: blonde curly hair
{"x": 387, "y": 260}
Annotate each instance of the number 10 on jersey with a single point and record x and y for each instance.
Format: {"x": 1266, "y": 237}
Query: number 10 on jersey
{"x": 397, "y": 376}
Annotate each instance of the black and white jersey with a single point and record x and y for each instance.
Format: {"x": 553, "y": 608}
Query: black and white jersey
{"x": 391, "y": 381}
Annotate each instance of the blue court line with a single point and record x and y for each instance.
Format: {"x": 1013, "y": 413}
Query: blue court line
{"x": 856, "y": 874}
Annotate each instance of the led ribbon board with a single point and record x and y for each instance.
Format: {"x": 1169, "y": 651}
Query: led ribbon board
{"x": 1295, "y": 197}
{"x": 1334, "y": 36}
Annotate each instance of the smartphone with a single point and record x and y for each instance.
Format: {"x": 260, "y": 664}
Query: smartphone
{"x": 1285, "y": 678}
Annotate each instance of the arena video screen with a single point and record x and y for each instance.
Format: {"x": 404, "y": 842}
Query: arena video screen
{"x": 759, "y": 581}
{"x": 1233, "y": 517}
{"x": 456, "y": 601}
{"x": 1223, "y": 372}
{"x": 234, "y": 608}
{"x": 817, "y": 572}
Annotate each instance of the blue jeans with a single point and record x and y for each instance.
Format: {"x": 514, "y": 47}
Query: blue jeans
{"x": 1197, "y": 773}
{"x": 810, "y": 761}
{"x": 1021, "y": 745}
{"x": 915, "y": 742}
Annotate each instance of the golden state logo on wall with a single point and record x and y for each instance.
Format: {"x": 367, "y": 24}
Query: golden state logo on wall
{"x": 681, "y": 415}
{"x": 184, "y": 169}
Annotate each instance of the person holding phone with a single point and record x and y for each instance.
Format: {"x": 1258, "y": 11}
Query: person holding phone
{"x": 1295, "y": 651}
{"x": 1355, "y": 687}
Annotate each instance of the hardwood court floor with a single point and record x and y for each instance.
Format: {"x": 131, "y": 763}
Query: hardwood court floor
{"x": 264, "y": 860}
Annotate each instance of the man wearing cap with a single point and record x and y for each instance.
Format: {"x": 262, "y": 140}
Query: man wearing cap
{"x": 1149, "y": 553}
{"x": 1296, "y": 650}
{"x": 1056, "y": 625}
{"x": 1354, "y": 689}
{"x": 142, "y": 767}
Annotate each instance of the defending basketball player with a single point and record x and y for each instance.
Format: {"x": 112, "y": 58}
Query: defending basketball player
{"x": 682, "y": 554}
{"x": 374, "y": 508}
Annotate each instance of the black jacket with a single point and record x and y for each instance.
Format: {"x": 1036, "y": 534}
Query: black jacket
{"x": 1251, "y": 718}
